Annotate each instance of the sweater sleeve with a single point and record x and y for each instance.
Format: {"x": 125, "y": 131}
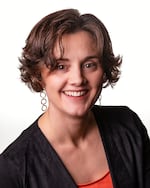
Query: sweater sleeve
{"x": 146, "y": 151}
{"x": 146, "y": 158}
{"x": 9, "y": 175}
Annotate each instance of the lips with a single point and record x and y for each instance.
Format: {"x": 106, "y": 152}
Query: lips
{"x": 75, "y": 93}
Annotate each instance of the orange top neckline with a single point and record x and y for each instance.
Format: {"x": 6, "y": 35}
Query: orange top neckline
{"x": 103, "y": 182}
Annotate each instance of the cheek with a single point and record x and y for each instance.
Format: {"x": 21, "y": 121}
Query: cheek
{"x": 54, "y": 83}
{"x": 98, "y": 80}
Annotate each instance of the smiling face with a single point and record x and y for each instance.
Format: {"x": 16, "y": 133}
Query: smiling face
{"x": 75, "y": 84}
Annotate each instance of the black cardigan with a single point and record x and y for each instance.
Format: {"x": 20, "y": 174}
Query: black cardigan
{"x": 31, "y": 162}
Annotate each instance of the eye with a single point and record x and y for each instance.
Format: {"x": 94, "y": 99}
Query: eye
{"x": 89, "y": 66}
{"x": 60, "y": 67}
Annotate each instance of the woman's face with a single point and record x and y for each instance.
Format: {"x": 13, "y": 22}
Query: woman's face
{"x": 74, "y": 86}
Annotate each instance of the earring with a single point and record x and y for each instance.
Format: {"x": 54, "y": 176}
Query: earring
{"x": 43, "y": 100}
{"x": 100, "y": 100}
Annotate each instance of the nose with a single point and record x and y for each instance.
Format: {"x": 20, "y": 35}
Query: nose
{"x": 76, "y": 76}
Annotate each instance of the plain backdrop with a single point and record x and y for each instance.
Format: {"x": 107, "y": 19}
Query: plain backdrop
{"x": 128, "y": 23}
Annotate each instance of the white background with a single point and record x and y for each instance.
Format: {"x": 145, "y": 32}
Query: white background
{"x": 128, "y": 23}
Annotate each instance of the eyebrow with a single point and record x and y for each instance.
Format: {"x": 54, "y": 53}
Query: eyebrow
{"x": 91, "y": 57}
{"x": 85, "y": 59}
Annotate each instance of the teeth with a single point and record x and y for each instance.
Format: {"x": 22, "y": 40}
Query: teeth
{"x": 75, "y": 93}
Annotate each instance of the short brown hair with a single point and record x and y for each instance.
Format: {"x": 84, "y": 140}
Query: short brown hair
{"x": 39, "y": 48}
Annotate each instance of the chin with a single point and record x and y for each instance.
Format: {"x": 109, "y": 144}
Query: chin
{"x": 80, "y": 112}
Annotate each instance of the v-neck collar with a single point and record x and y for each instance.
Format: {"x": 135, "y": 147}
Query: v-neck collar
{"x": 116, "y": 164}
{"x": 108, "y": 125}
{"x": 49, "y": 150}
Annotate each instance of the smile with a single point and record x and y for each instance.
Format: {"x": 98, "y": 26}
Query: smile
{"x": 75, "y": 93}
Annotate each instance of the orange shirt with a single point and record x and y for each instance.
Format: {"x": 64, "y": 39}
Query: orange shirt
{"x": 104, "y": 182}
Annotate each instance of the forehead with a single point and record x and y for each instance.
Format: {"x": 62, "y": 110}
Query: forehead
{"x": 72, "y": 42}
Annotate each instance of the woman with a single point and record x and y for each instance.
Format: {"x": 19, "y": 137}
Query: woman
{"x": 75, "y": 143}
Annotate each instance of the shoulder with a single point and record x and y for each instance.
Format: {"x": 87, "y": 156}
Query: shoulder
{"x": 13, "y": 158}
{"x": 113, "y": 110}
{"x": 10, "y": 175}
{"x": 123, "y": 131}
{"x": 118, "y": 118}
{"x": 20, "y": 144}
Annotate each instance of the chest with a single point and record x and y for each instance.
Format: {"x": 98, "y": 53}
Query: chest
{"x": 86, "y": 163}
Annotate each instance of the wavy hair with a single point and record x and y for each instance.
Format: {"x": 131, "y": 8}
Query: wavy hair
{"x": 39, "y": 46}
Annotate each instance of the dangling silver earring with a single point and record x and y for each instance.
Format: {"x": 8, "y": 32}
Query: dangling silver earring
{"x": 100, "y": 100}
{"x": 43, "y": 100}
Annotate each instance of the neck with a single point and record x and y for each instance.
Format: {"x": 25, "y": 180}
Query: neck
{"x": 65, "y": 129}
